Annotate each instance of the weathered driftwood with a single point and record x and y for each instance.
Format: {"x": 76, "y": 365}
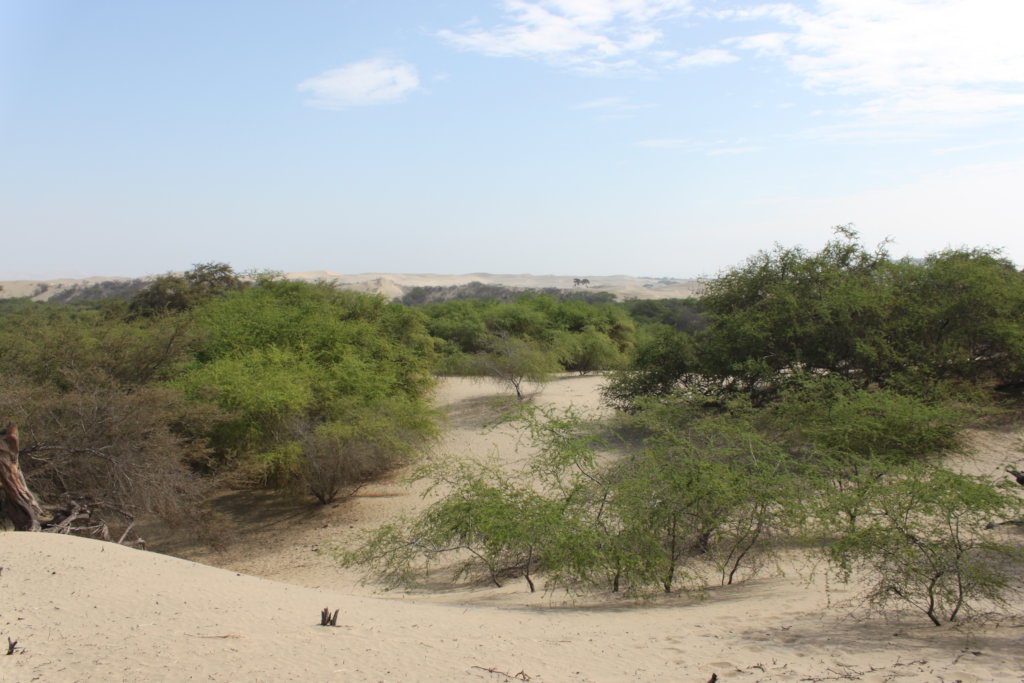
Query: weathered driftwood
{"x": 327, "y": 618}
{"x": 19, "y": 503}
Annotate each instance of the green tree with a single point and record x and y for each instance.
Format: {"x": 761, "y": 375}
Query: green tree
{"x": 512, "y": 362}
{"x": 958, "y": 315}
{"x": 336, "y": 458}
{"x": 789, "y": 311}
{"x": 589, "y": 350}
{"x": 655, "y": 519}
{"x": 584, "y": 336}
{"x": 307, "y": 376}
{"x": 923, "y": 543}
{"x": 663, "y": 359}
{"x": 176, "y": 293}
{"x": 919, "y": 327}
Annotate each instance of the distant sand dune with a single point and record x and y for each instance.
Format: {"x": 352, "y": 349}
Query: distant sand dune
{"x": 394, "y": 285}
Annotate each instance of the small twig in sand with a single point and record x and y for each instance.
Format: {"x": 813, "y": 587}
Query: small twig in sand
{"x": 12, "y": 647}
{"x": 226, "y": 635}
{"x": 852, "y": 674}
{"x": 521, "y": 676}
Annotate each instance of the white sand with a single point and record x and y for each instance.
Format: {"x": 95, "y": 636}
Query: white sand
{"x": 90, "y": 611}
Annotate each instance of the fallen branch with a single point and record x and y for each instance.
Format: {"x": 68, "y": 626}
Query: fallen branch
{"x": 521, "y": 676}
{"x": 226, "y": 635}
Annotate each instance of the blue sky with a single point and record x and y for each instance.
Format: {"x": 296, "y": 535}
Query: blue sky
{"x": 575, "y": 137}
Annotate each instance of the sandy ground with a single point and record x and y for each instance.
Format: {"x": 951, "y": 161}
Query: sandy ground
{"x": 90, "y": 611}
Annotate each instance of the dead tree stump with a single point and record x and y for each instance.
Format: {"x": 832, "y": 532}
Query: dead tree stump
{"x": 19, "y": 504}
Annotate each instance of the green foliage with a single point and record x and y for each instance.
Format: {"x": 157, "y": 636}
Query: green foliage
{"x": 826, "y": 415}
{"x": 491, "y": 523}
{"x": 287, "y": 384}
{"x": 583, "y": 337}
{"x": 663, "y": 358}
{"x": 922, "y": 543}
{"x": 958, "y": 316}
{"x": 97, "y": 426}
{"x": 44, "y": 341}
{"x": 919, "y": 327}
{"x": 338, "y": 457}
{"x": 512, "y": 361}
{"x": 655, "y": 519}
{"x": 177, "y": 293}
{"x": 313, "y": 380}
{"x": 790, "y": 311}
{"x": 682, "y": 315}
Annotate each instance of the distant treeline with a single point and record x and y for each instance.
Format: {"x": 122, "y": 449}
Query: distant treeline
{"x": 419, "y": 296}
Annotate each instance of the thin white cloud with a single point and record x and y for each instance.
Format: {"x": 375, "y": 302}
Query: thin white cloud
{"x": 708, "y": 57}
{"x": 604, "y": 103}
{"x": 371, "y": 81}
{"x": 587, "y": 35}
{"x": 774, "y": 44}
{"x": 923, "y": 65}
{"x": 612, "y": 108}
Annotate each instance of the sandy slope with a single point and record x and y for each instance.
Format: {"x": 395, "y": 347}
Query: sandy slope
{"x": 88, "y": 611}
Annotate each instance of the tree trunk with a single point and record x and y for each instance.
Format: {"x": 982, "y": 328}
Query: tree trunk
{"x": 19, "y": 504}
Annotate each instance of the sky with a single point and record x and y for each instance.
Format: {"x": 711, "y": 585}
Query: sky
{"x": 663, "y": 138}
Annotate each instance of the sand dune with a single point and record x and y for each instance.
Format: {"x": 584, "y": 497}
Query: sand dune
{"x": 88, "y": 611}
{"x": 91, "y": 611}
{"x": 394, "y": 285}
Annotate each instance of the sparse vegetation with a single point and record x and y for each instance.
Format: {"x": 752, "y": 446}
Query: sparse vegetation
{"x": 802, "y": 401}
{"x": 805, "y": 399}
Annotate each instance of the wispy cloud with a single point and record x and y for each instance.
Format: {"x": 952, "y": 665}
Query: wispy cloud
{"x": 587, "y": 35}
{"x": 922, "y": 65}
{"x": 371, "y": 81}
{"x": 707, "y": 57}
{"x": 609, "y": 108}
{"x": 604, "y": 103}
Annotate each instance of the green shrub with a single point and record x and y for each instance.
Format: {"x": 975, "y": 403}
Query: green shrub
{"x": 922, "y": 543}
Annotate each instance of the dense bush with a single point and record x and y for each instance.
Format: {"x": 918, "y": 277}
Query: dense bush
{"x": 98, "y": 426}
{"x": 314, "y": 380}
{"x": 570, "y": 335}
{"x": 128, "y": 408}
{"x": 953, "y": 318}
